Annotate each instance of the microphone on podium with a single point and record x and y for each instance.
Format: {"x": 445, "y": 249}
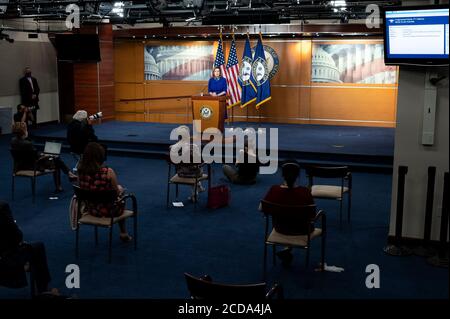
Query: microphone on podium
{"x": 202, "y": 93}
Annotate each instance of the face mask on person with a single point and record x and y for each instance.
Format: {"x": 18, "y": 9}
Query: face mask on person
{"x": 28, "y": 74}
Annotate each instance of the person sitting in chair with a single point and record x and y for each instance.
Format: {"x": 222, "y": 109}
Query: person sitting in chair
{"x": 28, "y": 156}
{"x": 245, "y": 171}
{"x": 190, "y": 169}
{"x": 289, "y": 194}
{"x": 16, "y": 255}
{"x": 93, "y": 175}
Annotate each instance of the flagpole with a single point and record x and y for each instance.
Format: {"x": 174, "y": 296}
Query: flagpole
{"x": 247, "y": 114}
{"x": 232, "y": 109}
{"x": 259, "y": 112}
{"x": 221, "y": 40}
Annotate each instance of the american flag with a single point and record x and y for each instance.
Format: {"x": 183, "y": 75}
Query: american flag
{"x": 220, "y": 59}
{"x": 234, "y": 89}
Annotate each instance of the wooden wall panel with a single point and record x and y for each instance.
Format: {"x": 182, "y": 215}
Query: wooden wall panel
{"x": 130, "y": 117}
{"x": 107, "y": 102}
{"x": 124, "y": 71}
{"x": 85, "y": 74}
{"x": 362, "y": 106}
{"x": 305, "y": 104}
{"x": 106, "y": 67}
{"x": 93, "y": 83}
{"x": 86, "y": 98}
{"x": 294, "y": 98}
{"x": 288, "y": 52}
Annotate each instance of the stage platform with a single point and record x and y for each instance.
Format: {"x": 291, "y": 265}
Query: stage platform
{"x": 359, "y": 147}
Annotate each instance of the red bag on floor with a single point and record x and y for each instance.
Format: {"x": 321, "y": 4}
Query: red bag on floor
{"x": 218, "y": 196}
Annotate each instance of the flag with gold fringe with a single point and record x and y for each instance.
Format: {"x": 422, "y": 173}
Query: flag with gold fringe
{"x": 248, "y": 94}
{"x": 260, "y": 75}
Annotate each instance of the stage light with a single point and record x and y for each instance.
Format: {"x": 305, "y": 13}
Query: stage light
{"x": 118, "y": 8}
{"x": 340, "y": 5}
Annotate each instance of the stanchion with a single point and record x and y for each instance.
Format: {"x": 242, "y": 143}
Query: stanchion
{"x": 425, "y": 250}
{"x": 441, "y": 258}
{"x": 396, "y": 249}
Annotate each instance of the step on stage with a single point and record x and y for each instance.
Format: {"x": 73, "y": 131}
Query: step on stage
{"x": 359, "y": 147}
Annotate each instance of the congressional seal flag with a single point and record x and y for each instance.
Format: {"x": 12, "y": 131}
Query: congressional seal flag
{"x": 248, "y": 94}
{"x": 260, "y": 75}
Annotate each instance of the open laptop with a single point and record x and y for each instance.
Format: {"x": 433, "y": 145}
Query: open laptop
{"x": 52, "y": 148}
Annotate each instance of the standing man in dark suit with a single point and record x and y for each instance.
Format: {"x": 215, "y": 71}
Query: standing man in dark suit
{"x": 29, "y": 92}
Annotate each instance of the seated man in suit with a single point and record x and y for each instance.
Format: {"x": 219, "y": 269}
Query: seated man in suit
{"x": 15, "y": 254}
{"x": 28, "y": 155}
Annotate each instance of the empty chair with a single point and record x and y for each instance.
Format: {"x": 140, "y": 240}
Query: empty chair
{"x": 329, "y": 191}
{"x": 82, "y": 197}
{"x": 292, "y": 226}
{"x": 205, "y": 288}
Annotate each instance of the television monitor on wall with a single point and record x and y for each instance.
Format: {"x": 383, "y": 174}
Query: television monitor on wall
{"x": 416, "y": 35}
{"x": 78, "y": 47}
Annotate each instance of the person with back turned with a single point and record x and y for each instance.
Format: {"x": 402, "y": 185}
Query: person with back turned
{"x": 291, "y": 194}
{"x": 80, "y": 132}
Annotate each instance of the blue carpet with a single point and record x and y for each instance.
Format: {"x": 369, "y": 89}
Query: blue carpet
{"x": 292, "y": 137}
{"x": 226, "y": 243}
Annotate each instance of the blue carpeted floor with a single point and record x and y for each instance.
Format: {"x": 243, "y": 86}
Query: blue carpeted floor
{"x": 306, "y": 138}
{"x": 226, "y": 243}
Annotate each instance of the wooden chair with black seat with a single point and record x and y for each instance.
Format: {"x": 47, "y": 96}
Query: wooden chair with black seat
{"x": 292, "y": 226}
{"x": 328, "y": 191}
{"x": 32, "y": 174}
{"x": 79, "y": 218}
{"x": 205, "y": 288}
{"x": 174, "y": 178}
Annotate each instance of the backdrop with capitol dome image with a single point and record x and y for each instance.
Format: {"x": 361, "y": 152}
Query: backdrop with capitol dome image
{"x": 312, "y": 81}
{"x": 178, "y": 62}
{"x": 351, "y": 63}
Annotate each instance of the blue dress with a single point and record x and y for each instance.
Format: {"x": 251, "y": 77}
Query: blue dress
{"x": 218, "y": 85}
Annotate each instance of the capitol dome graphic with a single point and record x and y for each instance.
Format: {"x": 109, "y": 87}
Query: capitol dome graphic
{"x": 151, "y": 71}
{"x": 324, "y": 68}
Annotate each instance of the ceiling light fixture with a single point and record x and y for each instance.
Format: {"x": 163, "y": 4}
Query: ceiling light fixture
{"x": 118, "y": 8}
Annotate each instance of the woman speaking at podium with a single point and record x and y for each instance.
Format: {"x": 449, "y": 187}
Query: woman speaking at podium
{"x": 217, "y": 85}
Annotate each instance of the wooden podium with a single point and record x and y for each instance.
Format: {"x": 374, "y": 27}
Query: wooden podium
{"x": 210, "y": 110}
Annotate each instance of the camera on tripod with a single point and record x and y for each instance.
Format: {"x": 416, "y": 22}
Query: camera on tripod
{"x": 96, "y": 116}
